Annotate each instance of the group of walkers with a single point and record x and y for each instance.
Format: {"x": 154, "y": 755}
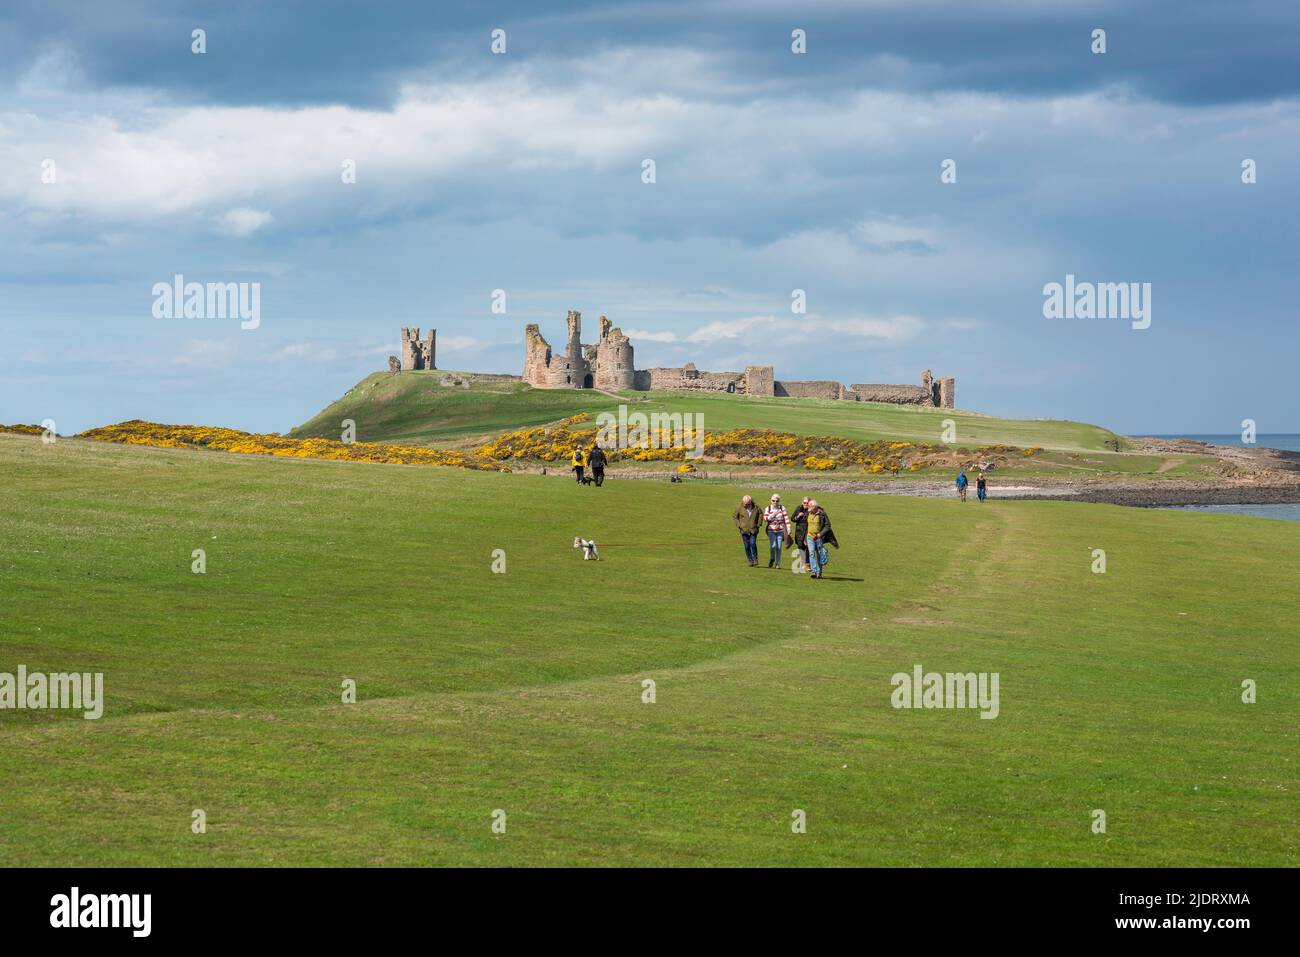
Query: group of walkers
{"x": 593, "y": 458}
{"x": 808, "y": 529}
{"x": 981, "y": 484}
{"x": 811, "y": 528}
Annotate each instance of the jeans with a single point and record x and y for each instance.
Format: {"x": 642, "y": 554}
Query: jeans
{"x": 774, "y": 540}
{"x": 750, "y": 540}
{"x": 599, "y": 475}
{"x": 818, "y": 557}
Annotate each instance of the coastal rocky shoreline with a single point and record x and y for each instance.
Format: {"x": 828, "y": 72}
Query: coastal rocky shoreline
{"x": 1260, "y": 477}
{"x": 1248, "y": 477}
{"x": 1148, "y": 495}
{"x": 1163, "y": 497}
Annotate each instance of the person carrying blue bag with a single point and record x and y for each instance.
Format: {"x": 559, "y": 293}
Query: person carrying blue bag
{"x": 962, "y": 482}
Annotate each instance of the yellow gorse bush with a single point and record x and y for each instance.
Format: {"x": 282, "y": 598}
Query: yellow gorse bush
{"x": 137, "y": 432}
{"x": 23, "y": 429}
{"x": 557, "y": 442}
{"x": 544, "y": 443}
{"x": 745, "y": 446}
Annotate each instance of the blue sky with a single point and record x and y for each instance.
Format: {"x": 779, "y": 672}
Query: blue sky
{"x": 774, "y": 172}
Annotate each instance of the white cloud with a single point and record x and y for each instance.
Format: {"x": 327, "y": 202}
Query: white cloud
{"x": 644, "y": 335}
{"x": 306, "y": 351}
{"x": 263, "y": 269}
{"x": 206, "y": 353}
{"x": 761, "y": 329}
{"x": 463, "y": 344}
{"x": 891, "y": 329}
{"x": 127, "y": 157}
{"x": 891, "y": 235}
{"x": 734, "y": 329}
{"x": 242, "y": 222}
{"x": 55, "y": 68}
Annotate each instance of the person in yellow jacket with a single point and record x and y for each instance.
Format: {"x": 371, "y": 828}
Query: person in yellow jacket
{"x": 579, "y": 463}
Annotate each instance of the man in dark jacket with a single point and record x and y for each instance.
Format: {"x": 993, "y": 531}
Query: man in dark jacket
{"x": 596, "y": 459}
{"x": 748, "y": 517}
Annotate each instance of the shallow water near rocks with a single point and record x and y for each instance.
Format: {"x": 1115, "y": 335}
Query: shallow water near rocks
{"x": 1288, "y": 512}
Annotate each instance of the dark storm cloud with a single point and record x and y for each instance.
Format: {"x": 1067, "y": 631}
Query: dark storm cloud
{"x": 343, "y": 51}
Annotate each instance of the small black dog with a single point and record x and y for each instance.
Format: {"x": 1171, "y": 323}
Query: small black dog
{"x": 586, "y": 480}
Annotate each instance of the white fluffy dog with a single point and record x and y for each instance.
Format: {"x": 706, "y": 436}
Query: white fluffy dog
{"x": 589, "y": 552}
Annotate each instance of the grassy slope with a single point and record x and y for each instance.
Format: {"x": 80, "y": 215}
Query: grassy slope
{"x": 874, "y": 420}
{"x": 413, "y": 407}
{"x": 522, "y": 691}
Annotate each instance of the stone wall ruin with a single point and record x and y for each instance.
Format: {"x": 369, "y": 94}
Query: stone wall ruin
{"x": 608, "y": 364}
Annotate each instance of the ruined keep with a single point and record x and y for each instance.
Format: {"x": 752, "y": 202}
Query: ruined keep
{"x": 608, "y": 364}
{"x": 417, "y": 353}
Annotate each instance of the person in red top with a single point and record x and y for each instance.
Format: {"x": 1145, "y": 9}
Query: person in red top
{"x": 778, "y": 526}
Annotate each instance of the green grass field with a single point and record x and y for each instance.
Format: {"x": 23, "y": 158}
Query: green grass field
{"x": 416, "y": 408}
{"x": 522, "y": 691}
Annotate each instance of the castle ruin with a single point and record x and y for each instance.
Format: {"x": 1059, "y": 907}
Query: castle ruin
{"x": 605, "y": 365}
{"x": 417, "y": 353}
{"x": 608, "y": 364}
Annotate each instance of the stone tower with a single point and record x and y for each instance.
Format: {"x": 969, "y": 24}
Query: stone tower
{"x": 537, "y": 356}
{"x": 760, "y": 380}
{"x": 546, "y": 370}
{"x": 948, "y": 393}
{"x": 417, "y": 353}
{"x": 574, "y": 350}
{"x": 614, "y": 364}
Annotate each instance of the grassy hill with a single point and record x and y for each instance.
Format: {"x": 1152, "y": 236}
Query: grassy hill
{"x": 417, "y": 408}
{"x": 522, "y": 691}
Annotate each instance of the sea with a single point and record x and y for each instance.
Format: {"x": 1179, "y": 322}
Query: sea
{"x": 1286, "y": 441}
{"x": 1289, "y": 512}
